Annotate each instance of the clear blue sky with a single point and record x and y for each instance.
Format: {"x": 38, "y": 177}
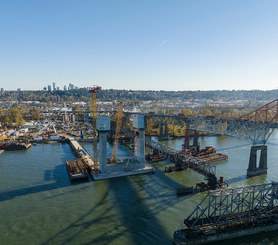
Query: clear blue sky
{"x": 139, "y": 44}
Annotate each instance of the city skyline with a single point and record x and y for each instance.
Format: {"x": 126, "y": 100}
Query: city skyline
{"x": 146, "y": 45}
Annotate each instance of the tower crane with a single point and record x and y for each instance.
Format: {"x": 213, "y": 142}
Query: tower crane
{"x": 94, "y": 90}
{"x": 119, "y": 117}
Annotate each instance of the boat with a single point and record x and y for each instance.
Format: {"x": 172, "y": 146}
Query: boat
{"x": 14, "y": 146}
{"x": 184, "y": 190}
{"x": 77, "y": 170}
{"x": 1, "y": 151}
{"x": 157, "y": 157}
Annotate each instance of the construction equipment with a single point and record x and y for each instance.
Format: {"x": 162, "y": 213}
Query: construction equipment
{"x": 93, "y": 90}
{"x": 119, "y": 117}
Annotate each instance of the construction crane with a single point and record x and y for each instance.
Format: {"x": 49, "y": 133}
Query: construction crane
{"x": 94, "y": 90}
{"x": 119, "y": 117}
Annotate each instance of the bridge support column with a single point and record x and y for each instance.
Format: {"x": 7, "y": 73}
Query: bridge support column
{"x": 140, "y": 146}
{"x": 253, "y": 170}
{"x": 186, "y": 137}
{"x": 139, "y": 123}
{"x": 195, "y": 139}
{"x": 103, "y": 127}
{"x": 163, "y": 131}
{"x": 102, "y": 156}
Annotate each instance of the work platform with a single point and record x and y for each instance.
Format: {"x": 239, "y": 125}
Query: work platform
{"x": 116, "y": 170}
{"x": 113, "y": 170}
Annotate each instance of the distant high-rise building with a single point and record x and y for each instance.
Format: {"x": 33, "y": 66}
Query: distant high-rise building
{"x": 65, "y": 87}
{"x": 2, "y": 89}
{"x": 54, "y": 86}
{"x": 49, "y": 88}
{"x": 71, "y": 86}
{"x": 58, "y": 88}
{"x": 44, "y": 88}
{"x": 19, "y": 89}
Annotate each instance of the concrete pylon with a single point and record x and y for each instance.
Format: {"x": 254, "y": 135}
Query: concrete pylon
{"x": 102, "y": 156}
{"x": 263, "y": 158}
{"x": 139, "y": 124}
{"x": 253, "y": 170}
{"x": 186, "y": 137}
{"x": 140, "y": 145}
{"x": 195, "y": 138}
{"x": 163, "y": 130}
{"x": 103, "y": 127}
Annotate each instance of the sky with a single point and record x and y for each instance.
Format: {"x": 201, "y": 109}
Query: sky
{"x": 139, "y": 44}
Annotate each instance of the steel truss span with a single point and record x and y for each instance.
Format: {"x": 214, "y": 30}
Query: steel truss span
{"x": 220, "y": 208}
{"x": 255, "y": 127}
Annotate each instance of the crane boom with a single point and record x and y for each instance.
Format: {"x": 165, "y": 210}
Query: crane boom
{"x": 119, "y": 118}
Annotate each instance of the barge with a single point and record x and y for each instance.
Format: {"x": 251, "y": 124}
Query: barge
{"x": 156, "y": 157}
{"x": 213, "y": 158}
{"x": 77, "y": 170}
{"x": 207, "y": 155}
{"x": 185, "y": 191}
{"x": 211, "y": 236}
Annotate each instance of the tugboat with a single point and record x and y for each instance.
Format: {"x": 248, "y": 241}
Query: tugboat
{"x": 14, "y": 146}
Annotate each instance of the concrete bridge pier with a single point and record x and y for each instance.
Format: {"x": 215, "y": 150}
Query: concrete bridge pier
{"x": 253, "y": 170}
{"x": 103, "y": 127}
{"x": 139, "y": 124}
{"x": 163, "y": 131}
{"x": 196, "y": 139}
{"x": 186, "y": 137}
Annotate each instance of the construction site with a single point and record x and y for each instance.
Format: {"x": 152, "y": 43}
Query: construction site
{"x": 224, "y": 213}
{"x": 100, "y": 166}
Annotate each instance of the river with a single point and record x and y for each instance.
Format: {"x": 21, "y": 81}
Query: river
{"x": 39, "y": 205}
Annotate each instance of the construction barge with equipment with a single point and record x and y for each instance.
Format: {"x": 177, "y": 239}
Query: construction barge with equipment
{"x": 207, "y": 155}
{"x": 231, "y": 213}
{"x": 77, "y": 170}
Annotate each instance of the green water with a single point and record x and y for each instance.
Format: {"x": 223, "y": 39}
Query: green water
{"x": 39, "y": 205}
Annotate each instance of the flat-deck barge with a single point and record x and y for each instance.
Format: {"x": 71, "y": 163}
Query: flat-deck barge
{"x": 77, "y": 170}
